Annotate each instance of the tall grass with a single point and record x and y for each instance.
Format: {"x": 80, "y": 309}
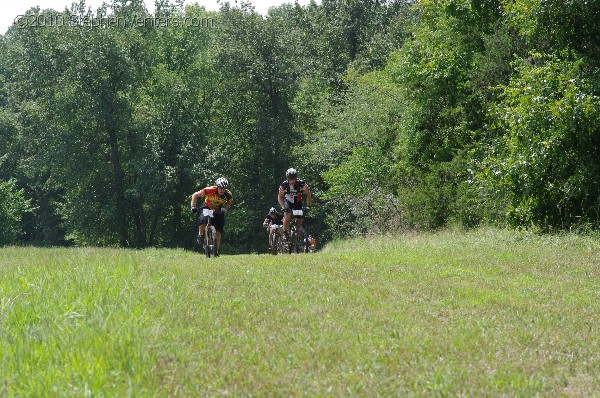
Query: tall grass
{"x": 484, "y": 313}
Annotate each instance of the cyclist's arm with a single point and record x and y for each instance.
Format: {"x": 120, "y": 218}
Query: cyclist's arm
{"x": 228, "y": 204}
{"x": 195, "y": 197}
{"x": 307, "y": 193}
{"x": 280, "y": 199}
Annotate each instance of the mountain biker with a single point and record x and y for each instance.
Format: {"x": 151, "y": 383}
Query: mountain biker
{"x": 290, "y": 197}
{"x": 273, "y": 218}
{"x": 216, "y": 198}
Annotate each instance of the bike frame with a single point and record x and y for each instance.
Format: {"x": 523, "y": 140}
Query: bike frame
{"x": 298, "y": 235}
{"x": 210, "y": 234}
{"x": 276, "y": 241}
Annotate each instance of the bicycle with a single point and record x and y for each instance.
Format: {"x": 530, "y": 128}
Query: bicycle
{"x": 298, "y": 242}
{"x": 210, "y": 234}
{"x": 276, "y": 239}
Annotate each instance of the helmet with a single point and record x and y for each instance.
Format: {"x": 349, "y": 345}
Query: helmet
{"x": 222, "y": 182}
{"x": 272, "y": 210}
{"x": 291, "y": 173}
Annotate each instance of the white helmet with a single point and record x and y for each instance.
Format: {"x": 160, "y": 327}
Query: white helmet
{"x": 222, "y": 182}
{"x": 291, "y": 173}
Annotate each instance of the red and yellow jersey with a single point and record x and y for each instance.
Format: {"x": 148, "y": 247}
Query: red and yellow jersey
{"x": 213, "y": 200}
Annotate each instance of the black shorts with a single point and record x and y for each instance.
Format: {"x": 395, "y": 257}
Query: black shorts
{"x": 218, "y": 220}
{"x": 289, "y": 206}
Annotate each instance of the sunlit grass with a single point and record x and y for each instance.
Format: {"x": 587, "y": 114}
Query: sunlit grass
{"x": 478, "y": 314}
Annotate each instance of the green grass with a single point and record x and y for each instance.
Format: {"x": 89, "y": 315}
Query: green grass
{"x": 484, "y": 313}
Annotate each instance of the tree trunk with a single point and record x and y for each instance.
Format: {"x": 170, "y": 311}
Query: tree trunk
{"x": 140, "y": 223}
{"x": 118, "y": 177}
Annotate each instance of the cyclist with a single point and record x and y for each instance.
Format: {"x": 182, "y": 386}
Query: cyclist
{"x": 216, "y": 198}
{"x": 290, "y": 197}
{"x": 273, "y": 218}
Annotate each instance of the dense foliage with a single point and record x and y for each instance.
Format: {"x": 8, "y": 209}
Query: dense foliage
{"x": 13, "y": 206}
{"x": 399, "y": 114}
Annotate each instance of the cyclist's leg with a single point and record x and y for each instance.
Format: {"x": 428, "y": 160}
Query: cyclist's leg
{"x": 287, "y": 218}
{"x": 218, "y": 240}
{"x": 218, "y": 223}
{"x": 300, "y": 236}
{"x": 273, "y": 241}
{"x": 272, "y": 235}
{"x": 202, "y": 220}
{"x": 207, "y": 241}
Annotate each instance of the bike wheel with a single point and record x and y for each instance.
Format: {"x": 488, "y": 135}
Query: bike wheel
{"x": 303, "y": 240}
{"x": 288, "y": 242}
{"x": 280, "y": 244}
{"x": 210, "y": 241}
{"x": 295, "y": 241}
{"x": 214, "y": 241}
{"x": 274, "y": 242}
{"x": 198, "y": 245}
{"x": 206, "y": 244}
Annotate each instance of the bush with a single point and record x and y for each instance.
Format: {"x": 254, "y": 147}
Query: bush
{"x": 546, "y": 163}
{"x": 13, "y": 205}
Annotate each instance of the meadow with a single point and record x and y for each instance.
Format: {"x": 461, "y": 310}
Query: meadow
{"x": 480, "y": 313}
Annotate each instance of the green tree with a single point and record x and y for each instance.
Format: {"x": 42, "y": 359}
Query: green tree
{"x": 442, "y": 108}
{"x": 73, "y": 86}
{"x": 353, "y": 155}
{"x": 13, "y": 206}
{"x": 259, "y": 61}
{"x": 172, "y": 118}
{"x": 546, "y": 162}
{"x": 112, "y": 110}
{"x": 556, "y": 25}
{"x": 28, "y": 83}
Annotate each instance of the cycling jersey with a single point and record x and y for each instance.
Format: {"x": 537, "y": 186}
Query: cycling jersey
{"x": 278, "y": 220}
{"x": 213, "y": 200}
{"x": 293, "y": 193}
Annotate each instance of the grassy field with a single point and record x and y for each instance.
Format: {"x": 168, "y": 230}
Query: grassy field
{"x": 483, "y": 313}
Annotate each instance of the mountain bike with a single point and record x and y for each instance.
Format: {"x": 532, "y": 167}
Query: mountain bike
{"x": 210, "y": 234}
{"x": 298, "y": 242}
{"x": 276, "y": 239}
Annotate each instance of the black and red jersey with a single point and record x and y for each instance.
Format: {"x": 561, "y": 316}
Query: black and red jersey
{"x": 293, "y": 193}
{"x": 278, "y": 220}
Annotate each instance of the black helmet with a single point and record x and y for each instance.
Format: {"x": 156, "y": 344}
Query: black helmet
{"x": 272, "y": 211}
{"x": 291, "y": 173}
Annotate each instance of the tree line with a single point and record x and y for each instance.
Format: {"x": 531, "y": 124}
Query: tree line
{"x": 400, "y": 115}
